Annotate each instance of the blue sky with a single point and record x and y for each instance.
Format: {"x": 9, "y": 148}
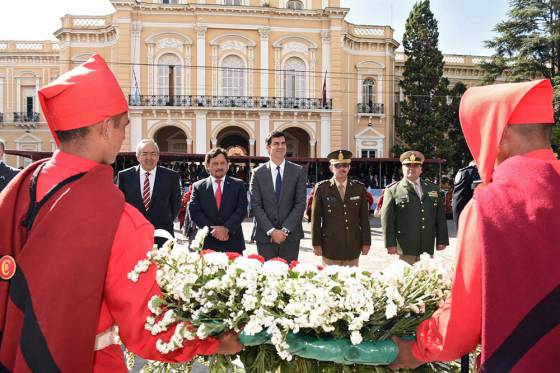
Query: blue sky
{"x": 463, "y": 25}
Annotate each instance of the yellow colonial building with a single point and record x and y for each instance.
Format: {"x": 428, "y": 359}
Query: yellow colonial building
{"x": 200, "y": 74}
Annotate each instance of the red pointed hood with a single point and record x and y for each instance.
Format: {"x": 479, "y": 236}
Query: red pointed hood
{"x": 485, "y": 111}
{"x": 81, "y": 97}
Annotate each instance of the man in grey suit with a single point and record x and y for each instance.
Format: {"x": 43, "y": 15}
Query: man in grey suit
{"x": 278, "y": 201}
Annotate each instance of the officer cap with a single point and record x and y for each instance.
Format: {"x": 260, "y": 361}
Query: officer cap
{"x": 339, "y": 156}
{"x": 412, "y": 157}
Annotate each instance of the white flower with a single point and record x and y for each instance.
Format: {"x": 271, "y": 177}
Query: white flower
{"x": 356, "y": 337}
{"x": 154, "y": 305}
{"x": 391, "y": 310}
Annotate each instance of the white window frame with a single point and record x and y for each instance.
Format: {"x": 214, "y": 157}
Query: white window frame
{"x": 233, "y": 78}
{"x": 162, "y": 75}
{"x": 295, "y": 80}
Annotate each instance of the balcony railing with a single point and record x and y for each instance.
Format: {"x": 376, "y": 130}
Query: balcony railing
{"x": 26, "y": 117}
{"x": 245, "y": 102}
{"x": 371, "y": 108}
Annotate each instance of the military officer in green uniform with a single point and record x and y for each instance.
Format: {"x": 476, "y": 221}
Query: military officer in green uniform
{"x": 340, "y": 229}
{"x": 413, "y": 213}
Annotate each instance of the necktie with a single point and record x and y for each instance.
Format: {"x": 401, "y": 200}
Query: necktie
{"x": 418, "y": 189}
{"x": 341, "y": 191}
{"x": 146, "y": 191}
{"x": 218, "y": 194}
{"x": 278, "y": 183}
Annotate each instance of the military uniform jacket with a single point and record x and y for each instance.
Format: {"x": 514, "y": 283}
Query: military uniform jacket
{"x": 340, "y": 227}
{"x": 412, "y": 224}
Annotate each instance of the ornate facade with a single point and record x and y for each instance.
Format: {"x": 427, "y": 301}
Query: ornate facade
{"x": 199, "y": 74}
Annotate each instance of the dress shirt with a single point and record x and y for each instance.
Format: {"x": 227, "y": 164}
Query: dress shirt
{"x": 151, "y": 178}
{"x": 416, "y": 186}
{"x": 273, "y": 171}
{"x": 215, "y": 184}
{"x": 344, "y": 184}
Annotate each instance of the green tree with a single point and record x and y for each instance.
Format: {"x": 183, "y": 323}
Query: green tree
{"x": 528, "y": 42}
{"x": 459, "y": 155}
{"x": 528, "y": 47}
{"x": 422, "y": 123}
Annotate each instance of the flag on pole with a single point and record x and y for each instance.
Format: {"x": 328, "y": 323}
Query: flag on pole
{"x": 324, "y": 98}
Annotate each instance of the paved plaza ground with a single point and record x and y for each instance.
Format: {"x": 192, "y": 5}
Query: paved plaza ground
{"x": 376, "y": 260}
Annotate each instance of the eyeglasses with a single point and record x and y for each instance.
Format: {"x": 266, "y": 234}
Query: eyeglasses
{"x": 150, "y": 154}
{"x": 342, "y": 165}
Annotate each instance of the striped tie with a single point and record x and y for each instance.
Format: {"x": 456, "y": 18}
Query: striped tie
{"x": 146, "y": 192}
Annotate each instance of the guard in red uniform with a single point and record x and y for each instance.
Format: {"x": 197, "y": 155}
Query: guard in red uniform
{"x": 68, "y": 241}
{"x": 506, "y": 293}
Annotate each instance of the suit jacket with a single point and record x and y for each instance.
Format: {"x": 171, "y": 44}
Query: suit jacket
{"x": 7, "y": 173}
{"x": 203, "y": 211}
{"x": 341, "y": 227}
{"x": 286, "y": 213}
{"x": 166, "y": 196}
{"x": 410, "y": 223}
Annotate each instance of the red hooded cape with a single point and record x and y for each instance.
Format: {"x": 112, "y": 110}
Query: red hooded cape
{"x": 50, "y": 309}
{"x": 518, "y": 212}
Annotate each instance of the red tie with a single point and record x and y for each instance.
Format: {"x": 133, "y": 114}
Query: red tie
{"x": 218, "y": 194}
{"x": 146, "y": 192}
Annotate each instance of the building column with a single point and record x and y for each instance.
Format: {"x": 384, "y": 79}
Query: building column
{"x": 264, "y": 33}
{"x": 18, "y": 95}
{"x": 312, "y": 148}
{"x": 264, "y": 130}
{"x": 325, "y": 135}
{"x": 325, "y": 56}
{"x": 200, "y": 61}
{"x": 200, "y": 132}
{"x": 189, "y": 146}
{"x": 251, "y": 147}
{"x": 136, "y": 28}
{"x": 135, "y": 129}
{"x": 152, "y": 72}
{"x": 2, "y": 107}
{"x": 36, "y": 104}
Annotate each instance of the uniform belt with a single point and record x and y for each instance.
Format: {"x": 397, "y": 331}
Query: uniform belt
{"x": 105, "y": 339}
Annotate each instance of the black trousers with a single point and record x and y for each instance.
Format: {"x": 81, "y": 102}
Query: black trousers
{"x": 288, "y": 250}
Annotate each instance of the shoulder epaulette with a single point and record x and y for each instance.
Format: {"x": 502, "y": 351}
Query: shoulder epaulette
{"x": 322, "y": 182}
{"x": 358, "y": 182}
{"x": 390, "y": 185}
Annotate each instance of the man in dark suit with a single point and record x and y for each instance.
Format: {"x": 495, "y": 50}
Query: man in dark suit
{"x": 6, "y": 172}
{"x": 154, "y": 190}
{"x": 220, "y": 203}
{"x": 278, "y": 189}
{"x": 463, "y": 189}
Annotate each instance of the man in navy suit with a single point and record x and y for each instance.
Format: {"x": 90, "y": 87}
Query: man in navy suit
{"x": 7, "y": 173}
{"x": 154, "y": 190}
{"x": 220, "y": 203}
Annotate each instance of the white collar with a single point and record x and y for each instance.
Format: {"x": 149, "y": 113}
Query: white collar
{"x": 214, "y": 179}
{"x": 274, "y": 165}
{"x": 143, "y": 172}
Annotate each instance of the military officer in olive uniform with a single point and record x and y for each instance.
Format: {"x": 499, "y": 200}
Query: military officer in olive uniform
{"x": 340, "y": 229}
{"x": 413, "y": 213}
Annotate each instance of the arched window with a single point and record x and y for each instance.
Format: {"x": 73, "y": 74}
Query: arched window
{"x": 294, "y": 78}
{"x": 295, "y": 4}
{"x": 233, "y": 2}
{"x": 368, "y": 97}
{"x": 233, "y": 76}
{"x": 165, "y": 71}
